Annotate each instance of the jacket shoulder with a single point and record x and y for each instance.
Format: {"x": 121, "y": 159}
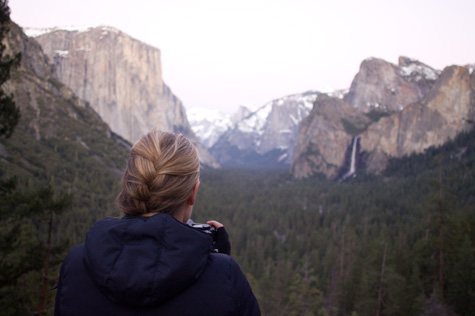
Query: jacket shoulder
{"x": 242, "y": 295}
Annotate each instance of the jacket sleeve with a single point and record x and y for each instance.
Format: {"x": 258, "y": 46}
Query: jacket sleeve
{"x": 59, "y": 286}
{"x": 221, "y": 242}
{"x": 74, "y": 254}
{"x": 57, "y": 311}
{"x": 244, "y": 298}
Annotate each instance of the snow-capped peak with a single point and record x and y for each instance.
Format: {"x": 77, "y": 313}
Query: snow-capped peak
{"x": 327, "y": 89}
{"x": 256, "y": 122}
{"x": 470, "y": 68}
{"x": 199, "y": 114}
{"x": 420, "y": 70}
{"x": 35, "y": 32}
{"x": 208, "y": 124}
{"x": 409, "y": 67}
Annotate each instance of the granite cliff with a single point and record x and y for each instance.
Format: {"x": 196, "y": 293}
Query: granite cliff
{"x": 382, "y": 86}
{"x": 445, "y": 111}
{"x": 59, "y": 135}
{"x": 37, "y": 91}
{"x": 120, "y": 77}
{"x": 390, "y": 111}
{"x": 324, "y": 136}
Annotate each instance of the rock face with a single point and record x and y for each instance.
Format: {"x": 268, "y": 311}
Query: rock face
{"x": 447, "y": 110}
{"x": 55, "y": 125}
{"x": 265, "y": 137}
{"x": 382, "y": 86}
{"x": 394, "y": 111}
{"x": 330, "y": 127}
{"x": 121, "y": 79}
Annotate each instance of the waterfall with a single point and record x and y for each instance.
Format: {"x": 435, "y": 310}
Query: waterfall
{"x": 353, "y": 159}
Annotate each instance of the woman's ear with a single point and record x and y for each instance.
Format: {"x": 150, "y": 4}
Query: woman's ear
{"x": 194, "y": 192}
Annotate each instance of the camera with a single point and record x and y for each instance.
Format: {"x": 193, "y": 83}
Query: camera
{"x": 203, "y": 227}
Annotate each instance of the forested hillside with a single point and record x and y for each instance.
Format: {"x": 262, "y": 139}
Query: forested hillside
{"x": 59, "y": 169}
{"x": 399, "y": 244}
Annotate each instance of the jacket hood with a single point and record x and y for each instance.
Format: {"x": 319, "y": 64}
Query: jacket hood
{"x": 142, "y": 261}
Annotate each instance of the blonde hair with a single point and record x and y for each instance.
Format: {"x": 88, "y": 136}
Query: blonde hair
{"x": 160, "y": 175}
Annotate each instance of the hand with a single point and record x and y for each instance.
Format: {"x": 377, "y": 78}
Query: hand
{"x": 221, "y": 242}
{"x": 215, "y": 224}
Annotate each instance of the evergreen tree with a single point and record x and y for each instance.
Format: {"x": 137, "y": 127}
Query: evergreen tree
{"x": 305, "y": 298}
{"x": 23, "y": 250}
{"x": 461, "y": 294}
{"x": 25, "y": 246}
{"x": 9, "y": 113}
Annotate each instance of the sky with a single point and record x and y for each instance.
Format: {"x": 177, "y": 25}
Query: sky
{"x": 218, "y": 54}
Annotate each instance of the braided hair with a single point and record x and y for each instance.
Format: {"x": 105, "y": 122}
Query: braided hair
{"x": 160, "y": 175}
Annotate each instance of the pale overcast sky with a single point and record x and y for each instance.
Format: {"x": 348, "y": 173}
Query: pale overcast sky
{"x": 219, "y": 53}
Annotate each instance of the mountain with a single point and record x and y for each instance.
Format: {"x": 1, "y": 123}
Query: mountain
{"x": 265, "y": 137}
{"x": 120, "y": 77}
{"x": 390, "y": 111}
{"x": 209, "y": 125}
{"x": 59, "y": 137}
{"x": 325, "y": 135}
{"x": 382, "y": 86}
{"x": 446, "y": 110}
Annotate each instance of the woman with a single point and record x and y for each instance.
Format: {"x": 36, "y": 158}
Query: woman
{"x": 150, "y": 262}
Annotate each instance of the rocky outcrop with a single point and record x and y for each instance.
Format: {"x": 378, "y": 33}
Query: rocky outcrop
{"x": 55, "y": 126}
{"x": 325, "y": 136}
{"x": 121, "y": 78}
{"x": 395, "y": 111}
{"x": 447, "y": 110}
{"x": 33, "y": 58}
{"x": 36, "y": 88}
{"x": 382, "y": 86}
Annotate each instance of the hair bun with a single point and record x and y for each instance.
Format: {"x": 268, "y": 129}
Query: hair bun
{"x": 161, "y": 171}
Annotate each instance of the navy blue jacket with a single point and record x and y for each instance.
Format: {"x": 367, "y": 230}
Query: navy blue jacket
{"x": 151, "y": 266}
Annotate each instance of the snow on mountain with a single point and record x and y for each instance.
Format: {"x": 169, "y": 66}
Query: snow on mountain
{"x": 420, "y": 71}
{"x": 385, "y": 87}
{"x": 256, "y": 122}
{"x": 210, "y": 124}
{"x": 35, "y": 32}
{"x": 470, "y": 68}
{"x": 340, "y": 94}
{"x": 266, "y": 136}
